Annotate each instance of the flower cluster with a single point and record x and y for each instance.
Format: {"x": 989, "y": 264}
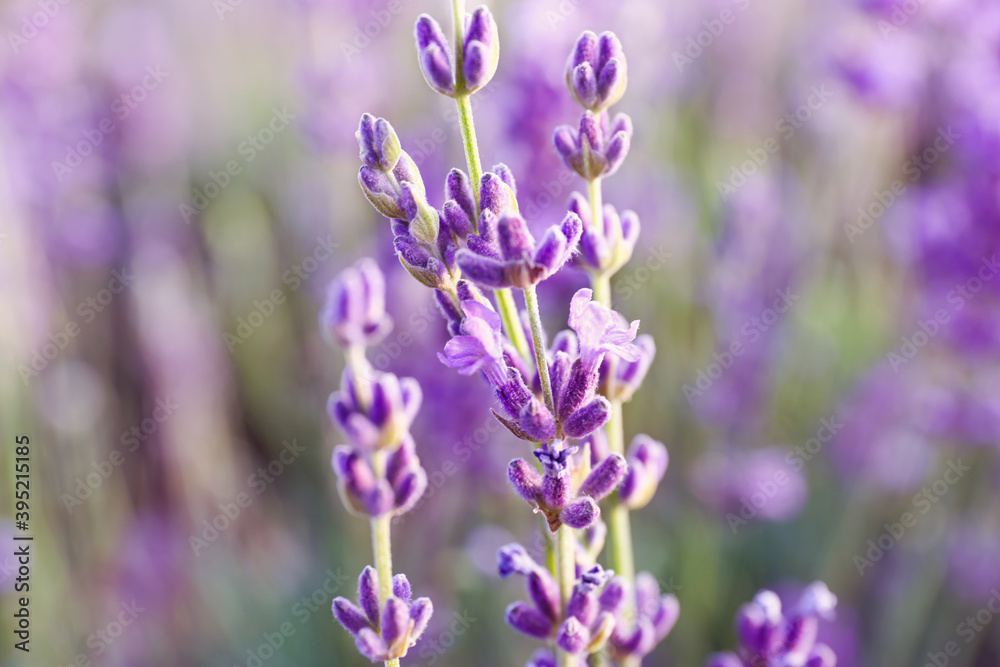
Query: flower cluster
{"x": 646, "y": 460}
{"x": 379, "y": 474}
{"x": 383, "y": 630}
{"x": 770, "y": 637}
{"x": 574, "y": 365}
{"x": 552, "y": 492}
{"x": 476, "y": 60}
{"x": 582, "y": 628}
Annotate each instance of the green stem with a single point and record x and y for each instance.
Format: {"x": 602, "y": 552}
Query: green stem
{"x": 566, "y": 547}
{"x": 596, "y": 203}
{"x": 511, "y": 322}
{"x": 600, "y": 283}
{"x": 382, "y": 548}
{"x": 471, "y": 148}
{"x": 619, "y": 523}
{"x": 538, "y": 340}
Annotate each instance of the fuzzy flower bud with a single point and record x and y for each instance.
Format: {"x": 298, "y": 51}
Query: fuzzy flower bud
{"x": 480, "y": 53}
{"x": 354, "y": 312}
{"x": 596, "y": 72}
{"x": 598, "y": 148}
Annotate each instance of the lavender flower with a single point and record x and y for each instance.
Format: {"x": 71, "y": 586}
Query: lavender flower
{"x": 552, "y": 493}
{"x": 478, "y": 57}
{"x": 596, "y": 72}
{"x": 647, "y": 462}
{"x": 620, "y": 380}
{"x": 598, "y": 148}
{"x": 770, "y": 637}
{"x": 383, "y": 422}
{"x": 601, "y": 330}
{"x": 354, "y": 312}
{"x": 655, "y": 616}
{"x": 585, "y": 624}
{"x": 609, "y": 248}
{"x": 505, "y": 254}
{"x": 479, "y": 347}
{"x": 388, "y": 630}
{"x": 386, "y": 167}
{"x": 367, "y": 494}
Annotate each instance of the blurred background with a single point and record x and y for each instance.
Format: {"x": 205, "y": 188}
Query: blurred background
{"x": 818, "y": 187}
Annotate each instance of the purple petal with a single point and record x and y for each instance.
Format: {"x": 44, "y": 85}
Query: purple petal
{"x": 604, "y": 478}
{"x": 371, "y": 645}
{"x": 482, "y": 270}
{"x": 349, "y": 615}
{"x": 544, "y": 592}
{"x": 588, "y": 419}
{"x": 420, "y": 614}
{"x": 526, "y": 619}
{"x": 368, "y": 595}
{"x": 581, "y": 513}
{"x": 401, "y": 588}
{"x": 573, "y": 637}
{"x": 525, "y": 480}
{"x": 395, "y": 620}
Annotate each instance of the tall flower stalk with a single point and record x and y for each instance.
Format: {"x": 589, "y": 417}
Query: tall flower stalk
{"x": 378, "y": 475}
{"x": 550, "y": 393}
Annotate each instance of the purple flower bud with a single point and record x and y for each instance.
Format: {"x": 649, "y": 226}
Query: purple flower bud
{"x": 449, "y": 310}
{"x": 666, "y": 617}
{"x": 420, "y": 615}
{"x": 455, "y": 220}
{"x": 368, "y": 595}
{"x": 596, "y": 73}
{"x": 432, "y": 55}
{"x": 496, "y": 195}
{"x": 513, "y": 558}
{"x": 647, "y": 464}
{"x": 526, "y": 619}
{"x": 613, "y": 596}
{"x": 395, "y": 623}
{"x": 525, "y": 480}
{"x": 481, "y": 50}
{"x": 380, "y": 192}
{"x": 596, "y": 149}
{"x": 758, "y": 624}
{"x": 817, "y": 600}
{"x": 605, "y": 477}
{"x": 515, "y": 240}
{"x": 350, "y": 615}
{"x": 588, "y": 419}
{"x": 573, "y": 636}
{"x": 401, "y": 588}
{"x": 371, "y": 645}
{"x": 507, "y": 176}
{"x": 482, "y": 270}
{"x": 580, "y": 513}
{"x": 536, "y": 420}
{"x": 557, "y": 483}
{"x": 544, "y": 593}
{"x": 458, "y": 188}
{"x": 378, "y": 142}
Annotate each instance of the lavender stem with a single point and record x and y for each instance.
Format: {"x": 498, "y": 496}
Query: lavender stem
{"x": 538, "y": 339}
{"x": 566, "y": 557}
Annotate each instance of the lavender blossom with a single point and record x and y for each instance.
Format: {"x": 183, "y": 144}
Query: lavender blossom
{"x": 385, "y": 168}
{"x": 388, "y": 630}
{"x": 600, "y": 331}
{"x": 479, "y": 55}
{"x": 609, "y": 248}
{"x": 505, "y": 254}
{"x": 655, "y": 616}
{"x": 385, "y": 421}
{"x": 552, "y": 493}
{"x": 598, "y": 148}
{"x": 585, "y": 624}
{"x": 647, "y": 462}
{"x": 769, "y": 637}
{"x": 354, "y": 312}
{"x": 596, "y": 72}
